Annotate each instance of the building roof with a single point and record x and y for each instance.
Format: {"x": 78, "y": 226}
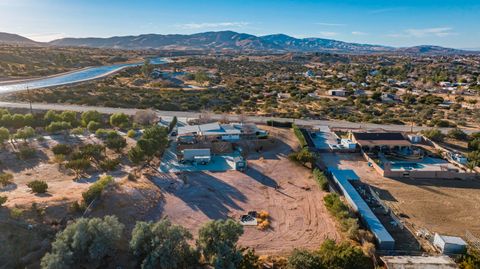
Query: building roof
{"x": 342, "y": 178}
{"x": 418, "y": 262}
{"x": 208, "y": 129}
{"x": 455, "y": 240}
{"x": 381, "y": 139}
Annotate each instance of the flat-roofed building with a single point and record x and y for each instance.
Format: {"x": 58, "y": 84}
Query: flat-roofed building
{"x": 418, "y": 262}
{"x": 380, "y": 141}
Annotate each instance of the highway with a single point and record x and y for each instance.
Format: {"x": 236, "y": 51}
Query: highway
{"x": 255, "y": 119}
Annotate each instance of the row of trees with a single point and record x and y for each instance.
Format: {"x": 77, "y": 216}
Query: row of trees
{"x": 96, "y": 242}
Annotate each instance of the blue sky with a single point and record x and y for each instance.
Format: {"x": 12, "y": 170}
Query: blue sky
{"x": 396, "y": 23}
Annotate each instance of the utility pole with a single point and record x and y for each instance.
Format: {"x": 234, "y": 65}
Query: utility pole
{"x": 30, "y": 100}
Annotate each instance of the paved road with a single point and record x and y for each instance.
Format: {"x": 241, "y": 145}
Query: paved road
{"x": 256, "y": 119}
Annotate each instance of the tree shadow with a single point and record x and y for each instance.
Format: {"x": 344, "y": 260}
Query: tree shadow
{"x": 208, "y": 194}
{"x": 43, "y": 194}
{"x": 260, "y": 177}
{"x": 9, "y": 187}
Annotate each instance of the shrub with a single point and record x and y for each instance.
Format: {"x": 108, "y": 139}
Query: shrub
{"x": 24, "y": 133}
{"x": 3, "y": 200}
{"x": 16, "y": 212}
{"x": 120, "y": 120}
{"x": 93, "y": 126}
{"x": 58, "y": 126}
{"x": 4, "y": 134}
{"x": 116, "y": 143}
{"x": 38, "y": 186}
{"x": 433, "y": 134}
{"x": 6, "y": 179}
{"x": 78, "y": 131}
{"x": 109, "y": 164}
{"x": 458, "y": 134}
{"x": 78, "y": 165}
{"x": 104, "y": 133}
{"x": 131, "y": 133}
{"x": 96, "y": 189}
{"x": 321, "y": 179}
{"x": 26, "y": 152}
{"x": 299, "y": 135}
{"x": 63, "y": 149}
{"x": 59, "y": 158}
{"x": 303, "y": 157}
{"x": 89, "y": 116}
{"x": 341, "y": 212}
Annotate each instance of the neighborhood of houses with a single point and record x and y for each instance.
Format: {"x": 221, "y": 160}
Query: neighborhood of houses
{"x": 218, "y": 146}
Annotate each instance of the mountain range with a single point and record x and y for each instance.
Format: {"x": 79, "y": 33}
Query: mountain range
{"x": 231, "y": 41}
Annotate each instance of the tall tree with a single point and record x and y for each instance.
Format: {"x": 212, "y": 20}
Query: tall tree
{"x": 217, "y": 241}
{"x": 162, "y": 245}
{"x": 84, "y": 242}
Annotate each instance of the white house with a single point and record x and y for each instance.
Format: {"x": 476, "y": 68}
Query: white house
{"x": 337, "y": 92}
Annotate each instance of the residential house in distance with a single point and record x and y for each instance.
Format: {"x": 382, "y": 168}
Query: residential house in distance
{"x": 389, "y": 98}
{"x": 338, "y": 92}
{"x": 215, "y": 131}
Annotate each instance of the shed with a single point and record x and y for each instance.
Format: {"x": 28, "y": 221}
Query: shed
{"x": 449, "y": 244}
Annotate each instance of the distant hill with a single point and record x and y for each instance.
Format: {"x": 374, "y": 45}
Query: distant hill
{"x": 233, "y": 41}
{"x": 13, "y": 39}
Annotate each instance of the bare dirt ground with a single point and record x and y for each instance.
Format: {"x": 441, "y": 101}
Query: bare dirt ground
{"x": 445, "y": 206}
{"x": 298, "y": 216}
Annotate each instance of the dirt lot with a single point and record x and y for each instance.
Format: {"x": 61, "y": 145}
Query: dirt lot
{"x": 298, "y": 217}
{"x": 446, "y": 206}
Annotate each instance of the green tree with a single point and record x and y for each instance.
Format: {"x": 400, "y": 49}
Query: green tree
{"x": 18, "y": 120}
{"x": 4, "y": 135}
{"x": 173, "y": 124}
{"x": 250, "y": 260}
{"x": 89, "y": 116}
{"x": 304, "y": 259}
{"x": 162, "y": 245}
{"x": 343, "y": 256}
{"x": 433, "y": 134}
{"x": 217, "y": 240}
{"x": 147, "y": 68}
{"x": 93, "y": 126}
{"x": 25, "y": 133}
{"x": 120, "y": 120}
{"x": 84, "y": 242}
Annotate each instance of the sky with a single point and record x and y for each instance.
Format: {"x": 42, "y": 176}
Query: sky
{"x": 449, "y": 23}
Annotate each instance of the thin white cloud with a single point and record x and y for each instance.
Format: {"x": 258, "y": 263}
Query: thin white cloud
{"x": 384, "y": 10}
{"x": 45, "y": 37}
{"x": 328, "y": 34}
{"x": 425, "y": 32}
{"x": 210, "y": 25}
{"x": 330, "y": 24}
{"x": 439, "y": 31}
{"x": 359, "y": 33}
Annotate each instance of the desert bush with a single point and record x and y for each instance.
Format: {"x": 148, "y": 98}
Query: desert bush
{"x": 96, "y": 189}
{"x": 63, "y": 149}
{"x": 78, "y": 131}
{"x": 59, "y": 158}
{"x": 109, "y": 164}
{"x": 6, "y": 179}
{"x": 116, "y": 143}
{"x": 3, "y": 199}
{"x": 298, "y": 133}
{"x": 131, "y": 133}
{"x": 16, "y": 212}
{"x": 93, "y": 126}
{"x": 263, "y": 214}
{"x": 24, "y": 133}
{"x": 78, "y": 165}
{"x": 302, "y": 157}
{"x": 58, "y": 126}
{"x": 89, "y": 116}
{"x": 38, "y": 186}
{"x": 25, "y": 152}
{"x": 433, "y": 134}
{"x": 120, "y": 120}
{"x": 321, "y": 179}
